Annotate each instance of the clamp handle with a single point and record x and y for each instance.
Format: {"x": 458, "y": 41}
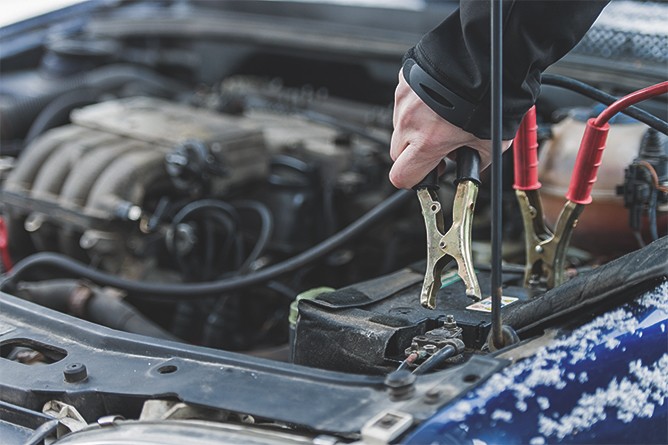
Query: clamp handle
{"x": 468, "y": 169}
{"x": 525, "y": 151}
{"x": 468, "y": 165}
{"x": 587, "y": 162}
{"x": 430, "y": 182}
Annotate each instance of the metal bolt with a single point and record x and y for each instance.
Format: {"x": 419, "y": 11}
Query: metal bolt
{"x": 430, "y": 349}
{"x": 432, "y": 396}
{"x": 401, "y": 384}
{"x": 449, "y": 322}
{"x": 134, "y": 213}
{"x": 75, "y": 372}
{"x": 33, "y": 222}
{"x": 539, "y": 249}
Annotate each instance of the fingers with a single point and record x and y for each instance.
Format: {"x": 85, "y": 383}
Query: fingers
{"x": 421, "y": 139}
{"x": 411, "y": 167}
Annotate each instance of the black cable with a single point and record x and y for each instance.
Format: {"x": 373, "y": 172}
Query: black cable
{"x": 266, "y": 230}
{"x": 605, "y": 98}
{"x": 42, "y": 432}
{"x": 436, "y": 359}
{"x": 228, "y": 218}
{"x": 182, "y": 291}
{"x": 496, "y": 26}
{"x": 203, "y": 204}
{"x": 653, "y": 204}
{"x": 209, "y": 250}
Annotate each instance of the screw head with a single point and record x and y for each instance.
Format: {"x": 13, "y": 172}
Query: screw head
{"x": 432, "y": 395}
{"x": 75, "y": 372}
{"x": 430, "y": 349}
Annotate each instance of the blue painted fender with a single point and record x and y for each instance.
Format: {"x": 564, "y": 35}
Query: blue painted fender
{"x": 604, "y": 382}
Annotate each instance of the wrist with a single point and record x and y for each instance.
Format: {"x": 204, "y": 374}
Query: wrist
{"x": 472, "y": 117}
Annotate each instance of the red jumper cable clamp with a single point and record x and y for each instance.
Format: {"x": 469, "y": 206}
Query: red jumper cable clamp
{"x": 546, "y": 250}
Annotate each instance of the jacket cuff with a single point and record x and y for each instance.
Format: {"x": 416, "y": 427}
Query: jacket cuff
{"x": 472, "y": 117}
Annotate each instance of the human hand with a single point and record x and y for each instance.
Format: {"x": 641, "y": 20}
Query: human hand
{"x": 422, "y": 138}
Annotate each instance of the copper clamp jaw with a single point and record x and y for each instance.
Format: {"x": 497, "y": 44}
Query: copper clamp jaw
{"x": 456, "y": 242}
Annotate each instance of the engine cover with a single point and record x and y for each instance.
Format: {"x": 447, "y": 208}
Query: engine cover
{"x": 78, "y": 188}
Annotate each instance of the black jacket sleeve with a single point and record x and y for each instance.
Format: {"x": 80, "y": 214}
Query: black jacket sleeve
{"x": 456, "y": 54}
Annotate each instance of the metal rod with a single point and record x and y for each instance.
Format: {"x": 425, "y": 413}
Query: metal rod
{"x": 497, "y": 184}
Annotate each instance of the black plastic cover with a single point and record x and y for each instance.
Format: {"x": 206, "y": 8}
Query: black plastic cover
{"x": 366, "y": 327}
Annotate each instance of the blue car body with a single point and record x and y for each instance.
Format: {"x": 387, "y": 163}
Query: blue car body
{"x": 604, "y": 382}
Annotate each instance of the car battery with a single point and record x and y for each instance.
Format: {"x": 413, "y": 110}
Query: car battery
{"x": 365, "y": 328}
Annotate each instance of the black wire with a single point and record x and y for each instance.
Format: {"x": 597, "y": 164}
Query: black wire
{"x": 266, "y": 230}
{"x": 653, "y": 203}
{"x": 605, "y": 98}
{"x": 226, "y": 216}
{"x": 497, "y": 168}
{"x": 42, "y": 432}
{"x": 209, "y": 250}
{"x": 189, "y": 291}
{"x": 435, "y": 360}
{"x": 203, "y": 204}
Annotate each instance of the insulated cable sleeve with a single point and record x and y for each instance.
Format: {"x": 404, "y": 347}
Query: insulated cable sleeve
{"x": 605, "y": 98}
{"x": 438, "y": 358}
{"x": 468, "y": 165}
{"x": 591, "y": 149}
{"x": 182, "y": 291}
{"x": 429, "y": 182}
{"x": 525, "y": 151}
{"x": 266, "y": 230}
{"x": 630, "y": 99}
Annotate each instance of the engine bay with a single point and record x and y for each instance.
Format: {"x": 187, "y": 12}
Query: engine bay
{"x": 216, "y": 191}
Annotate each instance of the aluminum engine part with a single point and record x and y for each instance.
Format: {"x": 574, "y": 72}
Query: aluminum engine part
{"x": 85, "y": 184}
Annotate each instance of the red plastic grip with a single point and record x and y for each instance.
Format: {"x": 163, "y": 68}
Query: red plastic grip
{"x": 4, "y": 247}
{"x": 587, "y": 162}
{"x": 525, "y": 151}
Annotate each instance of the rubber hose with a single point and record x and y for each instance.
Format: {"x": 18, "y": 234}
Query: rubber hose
{"x": 57, "y": 112}
{"x": 139, "y": 289}
{"x": 266, "y": 229}
{"x": 18, "y": 115}
{"x": 102, "y": 309}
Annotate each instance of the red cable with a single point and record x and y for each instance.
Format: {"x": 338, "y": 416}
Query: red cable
{"x": 593, "y": 143}
{"x": 630, "y": 99}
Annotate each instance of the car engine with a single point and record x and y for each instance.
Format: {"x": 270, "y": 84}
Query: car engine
{"x": 163, "y": 178}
